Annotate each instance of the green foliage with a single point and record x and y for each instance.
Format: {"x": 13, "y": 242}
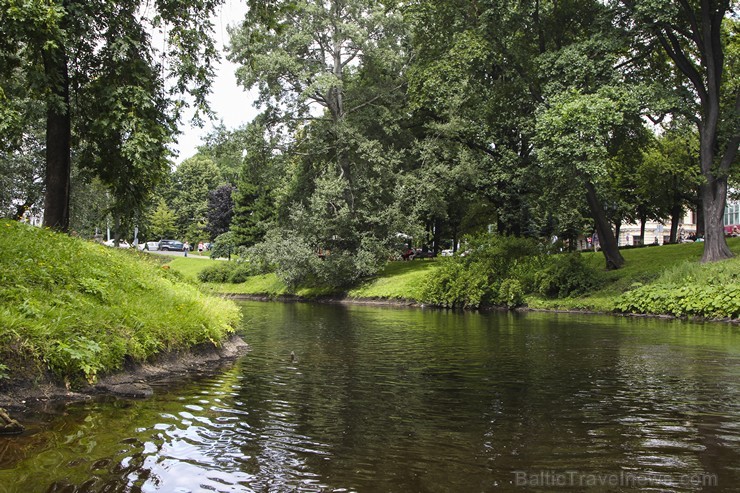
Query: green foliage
{"x": 162, "y": 221}
{"x": 226, "y": 272}
{"x": 689, "y": 289}
{"x": 4, "y": 372}
{"x": 483, "y": 274}
{"x": 510, "y": 293}
{"x": 218, "y": 272}
{"x": 192, "y": 182}
{"x": 82, "y": 309}
{"x": 296, "y": 262}
{"x": 224, "y": 246}
{"x": 455, "y": 285}
{"x": 567, "y": 275}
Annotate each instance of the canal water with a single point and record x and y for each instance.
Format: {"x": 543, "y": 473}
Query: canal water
{"x": 414, "y": 400}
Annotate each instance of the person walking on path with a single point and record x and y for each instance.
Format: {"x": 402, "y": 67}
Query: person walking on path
{"x": 186, "y": 248}
{"x": 200, "y": 248}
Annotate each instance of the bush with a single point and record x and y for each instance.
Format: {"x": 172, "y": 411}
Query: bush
{"x": 702, "y": 301}
{"x": 455, "y": 286}
{"x": 240, "y": 273}
{"x": 231, "y": 272}
{"x": 688, "y": 289}
{"x": 510, "y": 294}
{"x": 218, "y": 272}
{"x": 495, "y": 270}
{"x": 296, "y": 262}
{"x": 566, "y": 275}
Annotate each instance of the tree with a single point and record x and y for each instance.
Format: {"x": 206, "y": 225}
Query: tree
{"x": 162, "y": 221}
{"x": 576, "y": 137}
{"x": 329, "y": 76}
{"x": 696, "y": 36}
{"x": 192, "y": 182}
{"x": 220, "y": 210}
{"x": 669, "y": 174}
{"x": 91, "y": 64}
{"x": 302, "y": 57}
{"x": 485, "y": 70}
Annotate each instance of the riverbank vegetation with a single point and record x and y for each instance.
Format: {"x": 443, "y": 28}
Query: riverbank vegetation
{"x": 514, "y": 273}
{"x": 79, "y": 309}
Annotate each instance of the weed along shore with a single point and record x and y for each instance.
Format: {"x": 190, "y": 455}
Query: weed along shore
{"x": 78, "y": 318}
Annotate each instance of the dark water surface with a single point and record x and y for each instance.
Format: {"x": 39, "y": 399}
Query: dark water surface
{"x": 411, "y": 400}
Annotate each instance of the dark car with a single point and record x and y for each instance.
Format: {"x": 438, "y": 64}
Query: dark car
{"x": 166, "y": 245}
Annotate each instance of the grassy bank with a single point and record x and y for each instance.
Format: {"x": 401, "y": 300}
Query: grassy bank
{"x": 80, "y": 309}
{"x": 656, "y": 280}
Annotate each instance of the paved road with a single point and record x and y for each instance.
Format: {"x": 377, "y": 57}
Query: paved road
{"x": 175, "y": 253}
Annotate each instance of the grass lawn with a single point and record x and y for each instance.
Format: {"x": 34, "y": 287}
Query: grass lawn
{"x": 397, "y": 281}
{"x": 189, "y": 266}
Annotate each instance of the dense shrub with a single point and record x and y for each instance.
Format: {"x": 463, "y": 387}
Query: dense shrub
{"x": 454, "y": 285}
{"x": 241, "y": 272}
{"x": 231, "y": 272}
{"x": 566, "y": 275}
{"x": 510, "y": 293}
{"x": 297, "y": 263}
{"x": 217, "y": 272}
{"x": 494, "y": 270}
{"x": 703, "y": 301}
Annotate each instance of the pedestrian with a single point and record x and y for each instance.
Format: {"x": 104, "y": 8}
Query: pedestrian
{"x": 186, "y": 248}
{"x": 200, "y": 248}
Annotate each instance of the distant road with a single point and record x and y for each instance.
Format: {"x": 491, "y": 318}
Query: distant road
{"x": 175, "y": 253}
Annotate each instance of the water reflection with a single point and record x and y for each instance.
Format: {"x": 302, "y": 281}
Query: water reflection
{"x": 412, "y": 400}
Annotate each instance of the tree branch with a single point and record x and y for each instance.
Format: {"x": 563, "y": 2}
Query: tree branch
{"x": 372, "y": 100}
{"x": 673, "y": 47}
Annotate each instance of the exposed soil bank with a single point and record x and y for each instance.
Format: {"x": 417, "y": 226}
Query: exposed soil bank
{"x": 30, "y": 387}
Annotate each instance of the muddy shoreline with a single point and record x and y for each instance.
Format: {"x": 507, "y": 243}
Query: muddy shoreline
{"x": 34, "y": 389}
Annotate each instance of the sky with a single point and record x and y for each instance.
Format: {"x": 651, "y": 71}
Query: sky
{"x": 231, "y": 103}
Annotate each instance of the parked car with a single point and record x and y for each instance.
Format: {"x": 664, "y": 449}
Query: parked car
{"x": 149, "y": 245}
{"x": 121, "y": 243}
{"x": 167, "y": 245}
{"x": 446, "y": 253}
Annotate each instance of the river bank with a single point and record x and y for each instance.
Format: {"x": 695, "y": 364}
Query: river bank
{"x": 73, "y": 313}
{"x": 32, "y": 389}
{"x": 664, "y": 281}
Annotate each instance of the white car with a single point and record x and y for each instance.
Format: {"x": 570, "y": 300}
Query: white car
{"x": 446, "y": 253}
{"x": 149, "y": 245}
{"x": 121, "y": 243}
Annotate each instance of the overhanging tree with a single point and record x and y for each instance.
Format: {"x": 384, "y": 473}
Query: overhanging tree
{"x": 65, "y": 47}
{"x": 696, "y": 34}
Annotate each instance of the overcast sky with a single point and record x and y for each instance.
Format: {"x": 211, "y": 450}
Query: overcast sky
{"x": 230, "y": 102}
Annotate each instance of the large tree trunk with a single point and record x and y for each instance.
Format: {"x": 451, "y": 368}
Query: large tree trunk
{"x": 58, "y": 141}
{"x": 609, "y": 247}
{"x": 676, "y": 213}
{"x": 713, "y": 205}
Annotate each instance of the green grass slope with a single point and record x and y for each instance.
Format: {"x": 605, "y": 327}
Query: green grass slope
{"x": 81, "y": 309}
